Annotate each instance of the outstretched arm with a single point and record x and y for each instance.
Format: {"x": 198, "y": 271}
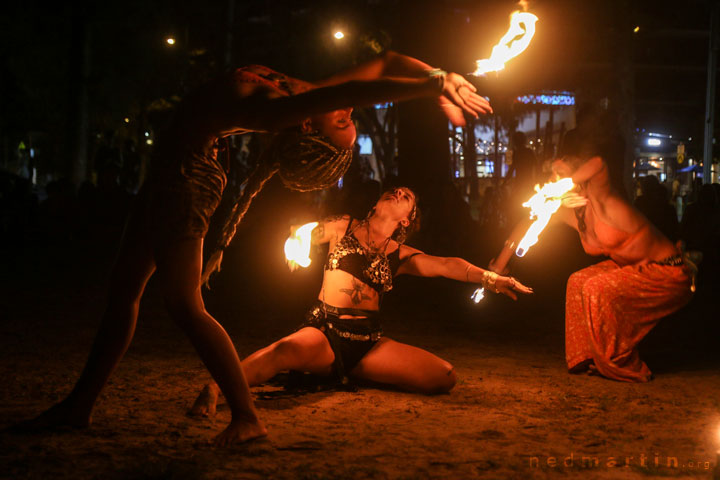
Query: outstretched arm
{"x": 389, "y": 64}
{"x": 423, "y": 265}
{"x": 390, "y": 77}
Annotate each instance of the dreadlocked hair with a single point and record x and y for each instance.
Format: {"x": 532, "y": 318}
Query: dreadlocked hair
{"x": 309, "y": 161}
{"x": 304, "y": 161}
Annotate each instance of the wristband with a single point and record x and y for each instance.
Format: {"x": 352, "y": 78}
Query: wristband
{"x": 439, "y": 75}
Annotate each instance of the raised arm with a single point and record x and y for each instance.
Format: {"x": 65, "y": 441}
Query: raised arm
{"x": 423, "y": 265}
{"x": 389, "y": 64}
{"x": 390, "y": 77}
{"x": 278, "y": 113}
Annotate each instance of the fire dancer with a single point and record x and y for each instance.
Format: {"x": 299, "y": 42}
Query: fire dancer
{"x": 312, "y": 150}
{"x": 342, "y": 333}
{"x": 611, "y": 305}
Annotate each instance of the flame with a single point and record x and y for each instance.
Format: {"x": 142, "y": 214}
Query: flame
{"x": 478, "y": 295}
{"x": 513, "y": 43}
{"x": 542, "y": 206}
{"x": 297, "y": 246}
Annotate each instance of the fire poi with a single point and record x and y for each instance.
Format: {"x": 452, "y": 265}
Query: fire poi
{"x": 513, "y": 43}
{"x": 542, "y": 206}
{"x": 297, "y": 246}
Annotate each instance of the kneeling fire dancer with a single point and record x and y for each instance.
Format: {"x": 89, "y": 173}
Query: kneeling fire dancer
{"x": 342, "y": 333}
{"x": 612, "y": 305}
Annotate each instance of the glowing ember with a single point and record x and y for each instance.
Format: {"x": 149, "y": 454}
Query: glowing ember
{"x": 478, "y": 295}
{"x": 513, "y": 43}
{"x": 542, "y": 206}
{"x": 297, "y": 246}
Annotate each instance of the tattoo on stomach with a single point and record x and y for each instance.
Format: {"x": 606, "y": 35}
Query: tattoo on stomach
{"x": 356, "y": 292}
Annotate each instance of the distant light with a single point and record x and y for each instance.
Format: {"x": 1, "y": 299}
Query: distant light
{"x": 170, "y": 41}
{"x": 339, "y": 35}
{"x": 654, "y": 142}
{"x": 126, "y": 120}
{"x": 636, "y": 29}
{"x": 147, "y": 134}
{"x": 149, "y": 141}
{"x": 365, "y": 143}
{"x": 690, "y": 139}
{"x": 550, "y": 98}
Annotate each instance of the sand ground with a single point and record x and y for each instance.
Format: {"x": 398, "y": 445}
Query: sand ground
{"x": 515, "y": 413}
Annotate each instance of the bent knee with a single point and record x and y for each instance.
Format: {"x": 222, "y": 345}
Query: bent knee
{"x": 449, "y": 380}
{"x": 184, "y": 310}
{"x": 285, "y": 348}
{"x": 443, "y": 381}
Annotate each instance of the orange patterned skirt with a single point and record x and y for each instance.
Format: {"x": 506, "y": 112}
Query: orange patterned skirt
{"x": 609, "y": 309}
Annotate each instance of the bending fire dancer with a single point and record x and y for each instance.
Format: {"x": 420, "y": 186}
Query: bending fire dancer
{"x": 612, "y": 305}
{"x": 312, "y": 150}
{"x": 342, "y": 334}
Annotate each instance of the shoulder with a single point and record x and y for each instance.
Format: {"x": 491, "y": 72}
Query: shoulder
{"x": 336, "y": 223}
{"x": 271, "y": 78}
{"x": 405, "y": 252}
{"x": 336, "y": 219}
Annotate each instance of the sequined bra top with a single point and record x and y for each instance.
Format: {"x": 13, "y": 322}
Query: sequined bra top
{"x": 375, "y": 270}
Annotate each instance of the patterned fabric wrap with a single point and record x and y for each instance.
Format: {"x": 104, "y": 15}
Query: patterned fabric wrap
{"x": 309, "y": 161}
{"x": 184, "y": 189}
{"x": 609, "y": 309}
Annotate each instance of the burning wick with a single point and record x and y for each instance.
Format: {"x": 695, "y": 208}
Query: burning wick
{"x": 542, "y": 206}
{"x": 513, "y": 43}
{"x": 297, "y": 246}
{"x": 478, "y": 295}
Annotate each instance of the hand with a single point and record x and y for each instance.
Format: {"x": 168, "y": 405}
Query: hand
{"x": 508, "y": 286}
{"x": 574, "y": 200}
{"x": 458, "y": 97}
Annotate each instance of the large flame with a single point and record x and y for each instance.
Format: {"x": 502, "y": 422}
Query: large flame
{"x": 297, "y": 246}
{"x": 513, "y": 43}
{"x": 542, "y": 206}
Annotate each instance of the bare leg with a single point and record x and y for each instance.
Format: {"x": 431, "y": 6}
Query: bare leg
{"x": 132, "y": 270}
{"x": 407, "y": 367}
{"x": 306, "y": 350}
{"x": 180, "y": 268}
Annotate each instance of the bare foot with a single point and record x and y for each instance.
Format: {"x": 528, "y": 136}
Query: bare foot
{"x": 61, "y": 416}
{"x": 206, "y": 403}
{"x": 240, "y": 431}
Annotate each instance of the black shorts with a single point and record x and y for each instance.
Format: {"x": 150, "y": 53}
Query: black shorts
{"x": 350, "y": 338}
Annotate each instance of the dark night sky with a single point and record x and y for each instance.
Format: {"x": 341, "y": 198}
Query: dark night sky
{"x": 577, "y": 46}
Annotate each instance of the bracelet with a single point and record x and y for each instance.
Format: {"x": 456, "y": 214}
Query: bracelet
{"x": 488, "y": 281}
{"x": 439, "y": 75}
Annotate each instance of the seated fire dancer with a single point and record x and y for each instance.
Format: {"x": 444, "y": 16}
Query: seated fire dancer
{"x": 312, "y": 150}
{"x": 342, "y": 333}
{"x": 612, "y": 305}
